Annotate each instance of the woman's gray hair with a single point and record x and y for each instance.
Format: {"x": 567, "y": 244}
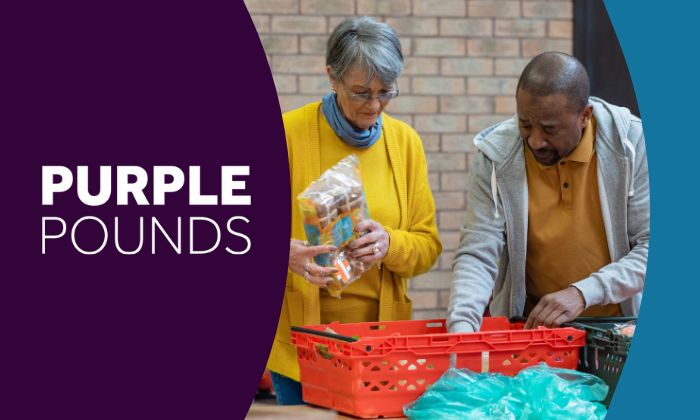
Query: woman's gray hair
{"x": 364, "y": 42}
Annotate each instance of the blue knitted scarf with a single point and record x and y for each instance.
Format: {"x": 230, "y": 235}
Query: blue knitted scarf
{"x": 361, "y": 139}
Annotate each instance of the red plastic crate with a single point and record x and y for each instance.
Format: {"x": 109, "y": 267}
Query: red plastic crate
{"x": 392, "y": 363}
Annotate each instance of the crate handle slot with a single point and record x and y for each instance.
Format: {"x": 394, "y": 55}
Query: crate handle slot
{"x": 434, "y": 325}
{"x": 377, "y": 327}
{"x": 498, "y": 336}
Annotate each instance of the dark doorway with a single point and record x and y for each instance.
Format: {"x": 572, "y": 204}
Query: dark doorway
{"x": 597, "y": 47}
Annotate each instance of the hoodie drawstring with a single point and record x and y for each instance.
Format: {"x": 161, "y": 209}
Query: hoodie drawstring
{"x": 494, "y": 190}
{"x": 628, "y": 144}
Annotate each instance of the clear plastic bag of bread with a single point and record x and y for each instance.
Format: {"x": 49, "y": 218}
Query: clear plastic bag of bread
{"x": 331, "y": 208}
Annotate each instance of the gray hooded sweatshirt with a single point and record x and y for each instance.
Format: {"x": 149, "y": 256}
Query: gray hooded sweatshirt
{"x": 490, "y": 260}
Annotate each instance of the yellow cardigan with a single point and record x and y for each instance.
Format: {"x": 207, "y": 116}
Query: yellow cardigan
{"x": 413, "y": 249}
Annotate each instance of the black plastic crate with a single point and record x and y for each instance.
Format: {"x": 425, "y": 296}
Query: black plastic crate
{"x": 605, "y": 352}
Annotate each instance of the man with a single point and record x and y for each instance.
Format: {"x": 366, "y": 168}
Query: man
{"x": 558, "y": 207}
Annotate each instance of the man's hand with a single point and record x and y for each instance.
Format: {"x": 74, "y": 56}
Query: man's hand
{"x": 556, "y": 308}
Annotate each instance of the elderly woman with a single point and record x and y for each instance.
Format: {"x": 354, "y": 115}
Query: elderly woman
{"x": 364, "y": 61}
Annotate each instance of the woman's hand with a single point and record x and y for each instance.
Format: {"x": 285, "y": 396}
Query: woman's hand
{"x": 373, "y": 245}
{"x": 301, "y": 262}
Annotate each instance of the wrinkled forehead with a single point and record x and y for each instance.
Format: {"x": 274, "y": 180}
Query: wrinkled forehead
{"x": 358, "y": 75}
{"x": 553, "y": 107}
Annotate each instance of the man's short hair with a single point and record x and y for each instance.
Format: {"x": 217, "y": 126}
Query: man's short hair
{"x": 555, "y": 72}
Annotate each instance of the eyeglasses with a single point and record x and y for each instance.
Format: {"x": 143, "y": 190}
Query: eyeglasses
{"x": 366, "y": 97}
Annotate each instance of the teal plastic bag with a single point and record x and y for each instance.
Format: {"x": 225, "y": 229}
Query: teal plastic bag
{"x": 538, "y": 392}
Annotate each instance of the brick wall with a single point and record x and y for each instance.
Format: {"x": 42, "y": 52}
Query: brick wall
{"x": 462, "y": 60}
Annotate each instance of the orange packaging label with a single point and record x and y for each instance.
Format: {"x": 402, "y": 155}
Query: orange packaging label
{"x": 343, "y": 274}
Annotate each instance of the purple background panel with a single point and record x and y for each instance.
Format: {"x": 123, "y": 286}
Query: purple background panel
{"x": 137, "y": 336}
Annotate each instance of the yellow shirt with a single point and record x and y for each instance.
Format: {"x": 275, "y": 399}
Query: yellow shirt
{"x": 359, "y": 301}
{"x": 566, "y": 239}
